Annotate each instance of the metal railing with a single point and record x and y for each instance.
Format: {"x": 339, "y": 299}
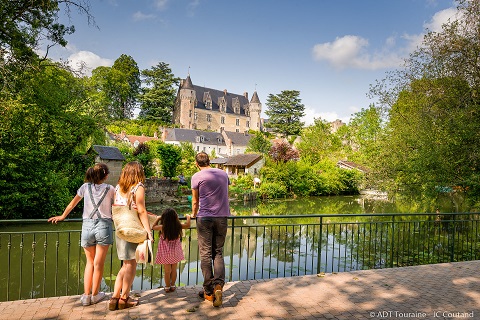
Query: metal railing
{"x": 43, "y": 261}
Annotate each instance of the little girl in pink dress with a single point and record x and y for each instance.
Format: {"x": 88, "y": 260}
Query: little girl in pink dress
{"x": 170, "y": 252}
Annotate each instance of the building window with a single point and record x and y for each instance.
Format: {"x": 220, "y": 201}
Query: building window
{"x": 198, "y": 148}
{"x": 204, "y": 149}
{"x": 209, "y": 117}
{"x": 222, "y": 120}
{"x": 219, "y": 150}
{"x": 237, "y": 122}
{"x": 237, "y": 130}
{"x": 195, "y": 115}
{"x": 248, "y": 124}
{"x": 190, "y": 113}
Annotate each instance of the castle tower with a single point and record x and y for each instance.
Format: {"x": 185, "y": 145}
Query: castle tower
{"x": 184, "y": 108}
{"x": 255, "y": 111}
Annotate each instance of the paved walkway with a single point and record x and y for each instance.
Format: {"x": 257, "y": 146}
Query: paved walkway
{"x": 440, "y": 291}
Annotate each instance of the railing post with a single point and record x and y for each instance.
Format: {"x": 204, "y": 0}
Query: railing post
{"x": 452, "y": 249}
{"x": 232, "y": 241}
{"x": 392, "y": 246}
{"x": 319, "y": 254}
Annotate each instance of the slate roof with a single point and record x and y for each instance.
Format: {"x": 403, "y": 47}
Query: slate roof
{"x": 108, "y": 153}
{"x": 238, "y": 138}
{"x": 190, "y": 135}
{"x": 255, "y": 98}
{"x": 215, "y": 96}
{"x": 243, "y": 159}
{"x": 219, "y": 161}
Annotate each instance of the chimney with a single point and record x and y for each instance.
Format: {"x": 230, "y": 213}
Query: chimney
{"x": 245, "y": 94}
{"x": 225, "y": 91}
{"x": 164, "y": 134}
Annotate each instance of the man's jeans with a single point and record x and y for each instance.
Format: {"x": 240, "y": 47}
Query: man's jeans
{"x": 211, "y": 234}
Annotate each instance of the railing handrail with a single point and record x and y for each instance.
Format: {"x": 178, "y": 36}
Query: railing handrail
{"x": 315, "y": 215}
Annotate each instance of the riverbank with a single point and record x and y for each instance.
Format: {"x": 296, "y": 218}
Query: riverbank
{"x": 436, "y": 291}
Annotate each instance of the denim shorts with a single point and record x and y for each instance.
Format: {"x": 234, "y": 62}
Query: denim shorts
{"x": 97, "y": 231}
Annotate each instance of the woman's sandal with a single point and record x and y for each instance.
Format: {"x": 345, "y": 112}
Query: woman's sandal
{"x": 173, "y": 288}
{"x": 126, "y": 303}
{"x": 168, "y": 289}
{"x": 113, "y": 304}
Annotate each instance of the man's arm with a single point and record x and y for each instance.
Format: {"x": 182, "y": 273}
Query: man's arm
{"x": 195, "y": 203}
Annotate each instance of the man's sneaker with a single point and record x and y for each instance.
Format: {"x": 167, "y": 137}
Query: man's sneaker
{"x": 208, "y": 297}
{"x": 97, "y": 298}
{"x": 85, "y": 299}
{"x": 217, "y": 302}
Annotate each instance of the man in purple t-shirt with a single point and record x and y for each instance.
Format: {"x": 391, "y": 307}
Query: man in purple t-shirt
{"x": 211, "y": 207}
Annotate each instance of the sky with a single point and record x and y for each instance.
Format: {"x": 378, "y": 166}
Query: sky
{"x": 331, "y": 51}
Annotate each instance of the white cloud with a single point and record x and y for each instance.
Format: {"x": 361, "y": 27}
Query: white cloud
{"x": 351, "y": 52}
{"x": 139, "y": 16}
{"x": 311, "y": 115}
{"x": 89, "y": 59}
{"x": 441, "y": 18}
{"x": 161, "y": 4}
{"x": 192, "y": 6}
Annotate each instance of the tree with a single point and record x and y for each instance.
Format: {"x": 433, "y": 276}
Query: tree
{"x": 318, "y": 143}
{"x": 282, "y": 152}
{"x": 170, "y": 156}
{"x": 285, "y": 111}
{"x": 117, "y": 87}
{"x": 433, "y": 110}
{"x": 157, "y": 97}
{"x": 259, "y": 143}
{"x": 42, "y": 131}
{"x": 26, "y": 25}
{"x": 365, "y": 130}
{"x": 187, "y": 165}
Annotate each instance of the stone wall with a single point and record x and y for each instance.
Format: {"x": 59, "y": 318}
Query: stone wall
{"x": 160, "y": 190}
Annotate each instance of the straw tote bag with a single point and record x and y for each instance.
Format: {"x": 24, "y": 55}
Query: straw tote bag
{"x": 128, "y": 225}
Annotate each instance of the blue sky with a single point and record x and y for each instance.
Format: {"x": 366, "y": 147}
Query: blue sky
{"x": 329, "y": 50}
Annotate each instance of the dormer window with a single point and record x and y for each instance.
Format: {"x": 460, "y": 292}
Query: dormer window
{"x": 247, "y": 111}
{"x": 199, "y": 139}
{"x": 236, "y": 105}
{"x": 207, "y": 100}
{"x": 222, "y": 102}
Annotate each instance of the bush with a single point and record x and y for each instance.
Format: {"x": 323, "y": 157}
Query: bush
{"x": 271, "y": 190}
